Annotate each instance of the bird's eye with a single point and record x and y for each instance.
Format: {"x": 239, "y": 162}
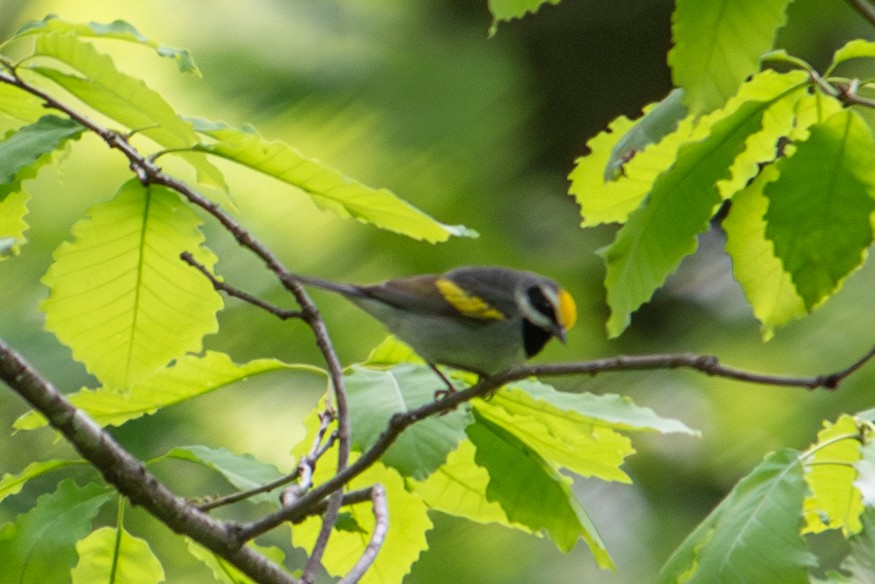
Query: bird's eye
{"x": 541, "y": 303}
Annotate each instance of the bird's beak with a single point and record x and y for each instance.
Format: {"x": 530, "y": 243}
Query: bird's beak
{"x": 560, "y": 333}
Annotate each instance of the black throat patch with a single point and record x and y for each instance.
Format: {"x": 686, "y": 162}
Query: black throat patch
{"x": 534, "y": 338}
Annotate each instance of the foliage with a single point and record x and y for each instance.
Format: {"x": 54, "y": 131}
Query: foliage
{"x": 134, "y": 292}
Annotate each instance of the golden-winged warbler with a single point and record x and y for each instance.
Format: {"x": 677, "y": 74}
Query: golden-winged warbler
{"x": 479, "y": 318}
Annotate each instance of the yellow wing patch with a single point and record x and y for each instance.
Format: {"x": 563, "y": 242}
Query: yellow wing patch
{"x": 466, "y": 303}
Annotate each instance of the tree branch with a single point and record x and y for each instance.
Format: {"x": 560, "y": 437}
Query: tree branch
{"x": 864, "y": 9}
{"x": 378, "y": 536}
{"x": 399, "y": 422}
{"x": 148, "y": 173}
{"x": 128, "y": 474}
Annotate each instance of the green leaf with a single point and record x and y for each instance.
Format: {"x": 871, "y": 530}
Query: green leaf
{"x": 573, "y": 431}
{"x": 834, "y": 501}
{"x": 117, "y": 30}
{"x": 12, "y": 224}
{"x": 819, "y": 211}
{"x": 114, "y": 555}
{"x": 505, "y": 10}
{"x": 38, "y": 545}
{"x": 531, "y": 492}
{"x": 860, "y": 562}
{"x": 225, "y": 572}
{"x": 712, "y": 66}
{"x": 25, "y": 150}
{"x": 376, "y": 395}
{"x": 121, "y": 298}
{"x": 769, "y": 289}
{"x": 659, "y": 120}
{"x": 190, "y": 377}
{"x": 458, "y": 487}
{"x": 391, "y": 352}
{"x": 17, "y": 103}
{"x": 11, "y": 484}
{"x": 121, "y": 97}
{"x": 683, "y": 198}
{"x": 853, "y": 49}
{"x": 241, "y": 470}
{"x": 329, "y": 189}
{"x": 608, "y": 201}
{"x": 405, "y": 539}
{"x": 753, "y": 536}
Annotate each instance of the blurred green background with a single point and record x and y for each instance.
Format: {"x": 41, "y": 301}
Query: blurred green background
{"x": 413, "y": 96}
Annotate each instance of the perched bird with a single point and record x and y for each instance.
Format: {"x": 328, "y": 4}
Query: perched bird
{"x": 478, "y": 318}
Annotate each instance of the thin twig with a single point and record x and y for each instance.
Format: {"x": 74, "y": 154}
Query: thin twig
{"x": 399, "y": 422}
{"x": 865, "y": 10}
{"x": 378, "y": 536}
{"x": 128, "y": 474}
{"x": 148, "y": 172}
{"x": 237, "y": 293}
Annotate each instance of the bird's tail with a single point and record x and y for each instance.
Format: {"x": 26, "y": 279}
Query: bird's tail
{"x": 340, "y": 288}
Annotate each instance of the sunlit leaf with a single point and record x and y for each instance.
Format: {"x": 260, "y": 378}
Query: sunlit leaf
{"x": 123, "y": 98}
{"x": 225, "y": 572}
{"x": 458, "y": 487}
{"x": 574, "y": 431}
{"x": 819, "y": 211}
{"x": 25, "y": 150}
{"x": 17, "y": 103}
{"x": 113, "y": 555}
{"x": 190, "y": 377}
{"x": 662, "y": 231}
{"x": 11, "y": 484}
{"x": 834, "y": 502}
{"x": 117, "y": 30}
{"x": 768, "y": 288}
{"x": 328, "y": 189}
{"x": 117, "y": 95}
{"x": 121, "y": 298}
{"x": 392, "y": 352}
{"x": 241, "y": 470}
{"x": 376, "y": 395}
{"x": 752, "y": 537}
{"x": 853, "y": 49}
{"x": 504, "y": 10}
{"x": 38, "y": 545}
{"x": 659, "y": 120}
{"x": 531, "y": 492}
{"x": 12, "y": 224}
{"x": 712, "y": 66}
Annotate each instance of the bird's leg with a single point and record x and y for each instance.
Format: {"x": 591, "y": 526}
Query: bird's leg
{"x": 442, "y": 393}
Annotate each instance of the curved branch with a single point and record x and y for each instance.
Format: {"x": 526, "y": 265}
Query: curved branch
{"x": 378, "y": 536}
{"x": 148, "y": 172}
{"x": 128, "y": 474}
{"x": 706, "y": 364}
{"x": 864, "y": 9}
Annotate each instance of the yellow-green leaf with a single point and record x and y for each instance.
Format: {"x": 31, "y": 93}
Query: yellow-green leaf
{"x": 819, "y": 214}
{"x": 190, "y": 377}
{"x": 11, "y": 484}
{"x": 114, "y": 555}
{"x": 117, "y": 30}
{"x": 708, "y": 59}
{"x": 769, "y": 289}
{"x": 834, "y": 501}
{"x": 121, "y": 298}
{"x": 328, "y": 189}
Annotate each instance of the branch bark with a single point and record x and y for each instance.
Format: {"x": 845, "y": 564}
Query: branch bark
{"x": 128, "y": 475}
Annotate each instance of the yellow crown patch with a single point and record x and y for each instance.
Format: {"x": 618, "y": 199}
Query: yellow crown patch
{"x": 467, "y": 304}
